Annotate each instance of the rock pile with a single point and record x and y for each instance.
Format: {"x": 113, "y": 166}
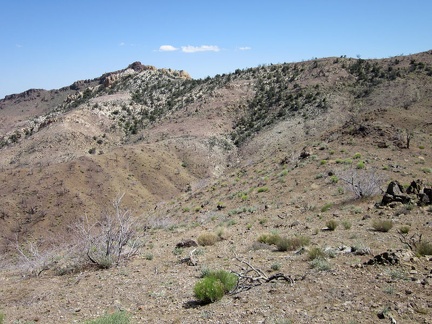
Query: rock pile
{"x": 416, "y": 193}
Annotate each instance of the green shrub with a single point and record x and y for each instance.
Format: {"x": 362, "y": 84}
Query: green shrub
{"x": 332, "y": 224}
{"x": 209, "y": 290}
{"x": 360, "y": 165}
{"x": 320, "y": 264}
{"x": 228, "y": 279}
{"x": 356, "y": 156}
{"x": 114, "y": 318}
{"x": 315, "y": 253}
{"x": 346, "y": 224}
{"x": 207, "y": 238}
{"x": 383, "y": 225}
{"x": 263, "y": 189}
{"x": 334, "y": 179}
{"x": 275, "y": 266}
{"x": 2, "y": 317}
{"x": 424, "y": 248}
{"x": 326, "y": 207}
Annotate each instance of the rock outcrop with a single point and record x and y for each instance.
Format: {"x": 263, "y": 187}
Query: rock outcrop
{"x": 416, "y": 193}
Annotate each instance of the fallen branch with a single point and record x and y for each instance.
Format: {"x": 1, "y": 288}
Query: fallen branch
{"x": 251, "y": 277}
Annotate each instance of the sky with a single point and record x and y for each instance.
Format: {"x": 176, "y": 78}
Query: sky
{"x": 49, "y": 44}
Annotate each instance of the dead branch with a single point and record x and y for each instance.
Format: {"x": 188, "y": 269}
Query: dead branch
{"x": 251, "y": 276}
{"x": 191, "y": 260}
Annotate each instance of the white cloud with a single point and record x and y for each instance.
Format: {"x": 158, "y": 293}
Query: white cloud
{"x": 122, "y": 44}
{"x": 167, "y": 48}
{"x": 245, "y": 48}
{"x": 202, "y": 48}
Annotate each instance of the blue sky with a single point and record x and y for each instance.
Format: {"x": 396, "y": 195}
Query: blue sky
{"x": 52, "y": 43}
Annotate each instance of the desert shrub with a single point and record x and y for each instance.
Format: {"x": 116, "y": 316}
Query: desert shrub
{"x": 262, "y": 189}
{"x": 209, "y": 290}
{"x": 334, "y": 179}
{"x": 332, "y": 224}
{"x": 275, "y": 266}
{"x": 119, "y": 317}
{"x": 315, "y": 253}
{"x": 382, "y": 225}
{"x": 271, "y": 239}
{"x": 424, "y": 248}
{"x": 320, "y": 264}
{"x": 292, "y": 244}
{"x": 346, "y": 224}
{"x": 2, "y": 317}
{"x": 109, "y": 240}
{"x": 357, "y": 156}
{"x": 404, "y": 229}
{"x": 228, "y": 279}
{"x": 363, "y": 183}
{"x": 326, "y": 207}
{"x": 207, "y": 238}
{"x": 360, "y": 165}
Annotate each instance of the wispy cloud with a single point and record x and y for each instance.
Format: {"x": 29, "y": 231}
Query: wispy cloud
{"x": 245, "y": 48}
{"x": 202, "y": 48}
{"x": 18, "y": 45}
{"x": 122, "y": 44}
{"x": 167, "y": 48}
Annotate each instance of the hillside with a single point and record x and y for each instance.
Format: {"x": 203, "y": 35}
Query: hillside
{"x": 261, "y": 151}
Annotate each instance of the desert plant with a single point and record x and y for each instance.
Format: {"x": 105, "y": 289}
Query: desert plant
{"x": 382, "y": 225}
{"x": 404, "y": 229}
{"x": 31, "y": 260}
{"x": 271, "y": 239}
{"x": 326, "y": 207}
{"x": 363, "y": 183}
{"x": 315, "y": 253}
{"x": 111, "y": 239}
{"x": 207, "y": 238}
{"x": 275, "y": 266}
{"x": 209, "y": 290}
{"x": 2, "y": 317}
{"x": 331, "y": 224}
{"x": 346, "y": 224}
{"x": 262, "y": 189}
{"x": 424, "y": 248}
{"x": 228, "y": 279}
{"x": 292, "y": 244}
{"x": 119, "y": 317}
{"x": 320, "y": 264}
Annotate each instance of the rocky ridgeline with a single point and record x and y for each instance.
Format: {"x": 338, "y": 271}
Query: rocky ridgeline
{"x": 416, "y": 193}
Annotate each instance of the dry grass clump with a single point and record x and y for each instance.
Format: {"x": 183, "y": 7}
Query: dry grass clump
{"x": 331, "y": 225}
{"x": 382, "y": 225}
{"x": 207, "y": 238}
{"x": 270, "y": 239}
{"x": 424, "y": 248}
{"x": 315, "y": 253}
{"x": 284, "y": 243}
